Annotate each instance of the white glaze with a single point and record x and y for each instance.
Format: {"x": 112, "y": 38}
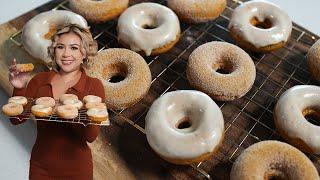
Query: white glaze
{"x": 18, "y": 99}
{"x": 97, "y": 112}
{"x": 47, "y": 101}
{"x": 69, "y": 111}
{"x": 130, "y": 29}
{"x": 288, "y": 114}
{"x": 41, "y": 108}
{"x": 64, "y": 97}
{"x": 91, "y": 98}
{"x": 205, "y": 133}
{"x": 98, "y": 105}
{"x": 258, "y": 37}
{"x": 36, "y": 28}
{"x": 74, "y": 102}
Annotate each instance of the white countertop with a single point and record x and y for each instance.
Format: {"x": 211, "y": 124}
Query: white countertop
{"x": 16, "y": 141}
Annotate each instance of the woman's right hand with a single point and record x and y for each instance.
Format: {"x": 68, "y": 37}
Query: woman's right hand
{"x": 18, "y": 79}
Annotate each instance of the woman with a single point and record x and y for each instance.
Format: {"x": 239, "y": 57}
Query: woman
{"x": 61, "y": 150}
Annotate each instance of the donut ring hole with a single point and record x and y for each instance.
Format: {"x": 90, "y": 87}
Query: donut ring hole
{"x": 223, "y": 67}
{"x": 183, "y": 123}
{"x": 265, "y": 24}
{"x": 115, "y": 73}
{"x": 148, "y": 22}
{"x": 312, "y": 115}
{"x": 277, "y": 172}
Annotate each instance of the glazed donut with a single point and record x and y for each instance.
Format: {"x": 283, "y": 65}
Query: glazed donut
{"x": 289, "y": 117}
{"x": 237, "y": 74}
{"x": 98, "y": 11}
{"x": 25, "y": 67}
{"x": 64, "y": 97}
{"x": 260, "y": 26}
{"x": 117, "y": 62}
{"x": 314, "y": 60}
{"x": 272, "y": 160}
{"x": 92, "y": 98}
{"x": 184, "y": 126}
{"x": 12, "y": 109}
{"x": 46, "y": 101}
{"x": 97, "y": 105}
{"x": 37, "y": 32}
{"x": 67, "y": 111}
{"x": 18, "y": 100}
{"x": 74, "y": 102}
{"x": 40, "y": 110}
{"x": 97, "y": 115}
{"x": 148, "y": 27}
{"x": 193, "y": 11}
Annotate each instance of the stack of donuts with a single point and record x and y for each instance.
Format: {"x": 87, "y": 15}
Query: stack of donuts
{"x": 187, "y": 126}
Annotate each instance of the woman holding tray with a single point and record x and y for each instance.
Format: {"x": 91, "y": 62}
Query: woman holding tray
{"x": 61, "y": 150}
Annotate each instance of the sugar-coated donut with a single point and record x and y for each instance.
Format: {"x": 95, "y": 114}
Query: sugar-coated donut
{"x": 197, "y": 11}
{"x": 12, "y": 109}
{"x": 98, "y": 11}
{"x": 184, "y": 126}
{"x": 314, "y": 60}
{"x": 74, "y": 102}
{"x": 40, "y": 110}
{"x": 64, "y": 97}
{"x": 47, "y": 101}
{"x": 97, "y": 114}
{"x": 273, "y": 160}
{"x": 97, "y": 105}
{"x": 148, "y": 27}
{"x": 260, "y": 26}
{"x": 92, "y": 98}
{"x": 18, "y": 99}
{"x": 67, "y": 111}
{"x": 134, "y": 73}
{"x": 37, "y": 32}
{"x": 25, "y": 67}
{"x": 289, "y": 117}
{"x": 237, "y": 74}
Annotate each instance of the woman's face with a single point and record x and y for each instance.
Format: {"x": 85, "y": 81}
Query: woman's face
{"x": 68, "y": 55}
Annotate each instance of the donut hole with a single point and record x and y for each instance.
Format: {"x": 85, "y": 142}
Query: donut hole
{"x": 278, "y": 171}
{"x": 225, "y": 67}
{"x": 312, "y": 115}
{"x": 115, "y": 73}
{"x": 183, "y": 123}
{"x": 149, "y": 22}
{"x": 265, "y": 24}
{"x": 149, "y": 26}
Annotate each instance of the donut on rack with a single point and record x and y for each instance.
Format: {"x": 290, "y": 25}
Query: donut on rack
{"x": 18, "y": 100}
{"x": 46, "y": 101}
{"x": 184, "y": 126}
{"x": 260, "y": 26}
{"x": 97, "y": 115}
{"x": 314, "y": 60}
{"x": 272, "y": 160}
{"x": 92, "y": 98}
{"x": 64, "y": 97}
{"x": 125, "y": 75}
{"x": 12, "y": 109}
{"x": 40, "y": 110}
{"x": 74, "y": 102}
{"x": 222, "y": 70}
{"x": 150, "y": 28}
{"x": 197, "y": 11}
{"x": 290, "y": 114}
{"x": 67, "y": 111}
{"x": 37, "y": 32}
{"x": 98, "y": 11}
{"x": 97, "y": 105}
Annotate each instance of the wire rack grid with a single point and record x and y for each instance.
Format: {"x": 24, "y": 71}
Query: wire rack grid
{"x": 247, "y": 120}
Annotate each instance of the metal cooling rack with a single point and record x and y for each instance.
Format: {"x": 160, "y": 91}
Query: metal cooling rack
{"x": 247, "y": 120}
{"x": 82, "y": 117}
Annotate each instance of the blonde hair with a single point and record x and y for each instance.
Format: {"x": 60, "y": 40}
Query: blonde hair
{"x": 88, "y": 46}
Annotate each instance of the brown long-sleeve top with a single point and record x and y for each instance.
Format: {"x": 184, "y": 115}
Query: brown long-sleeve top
{"x": 61, "y": 148}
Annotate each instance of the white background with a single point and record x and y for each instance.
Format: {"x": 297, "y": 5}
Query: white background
{"x": 16, "y": 141}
